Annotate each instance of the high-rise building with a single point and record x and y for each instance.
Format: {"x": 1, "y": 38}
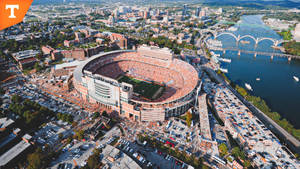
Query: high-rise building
{"x": 166, "y": 19}
{"x": 184, "y": 11}
{"x": 198, "y": 10}
{"x": 146, "y": 14}
{"x": 111, "y": 19}
{"x": 297, "y": 32}
{"x": 116, "y": 13}
{"x": 202, "y": 13}
{"x": 219, "y": 11}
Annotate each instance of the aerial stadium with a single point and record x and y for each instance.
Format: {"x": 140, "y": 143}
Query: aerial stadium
{"x": 147, "y": 84}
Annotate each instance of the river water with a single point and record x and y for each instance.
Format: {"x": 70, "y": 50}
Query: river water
{"x": 277, "y": 86}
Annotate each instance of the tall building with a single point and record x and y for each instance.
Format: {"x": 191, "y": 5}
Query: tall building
{"x": 184, "y": 11}
{"x": 166, "y": 19}
{"x": 219, "y": 11}
{"x": 111, "y": 19}
{"x": 297, "y": 33}
{"x": 146, "y": 14}
{"x": 157, "y": 12}
{"x": 116, "y": 13}
{"x": 202, "y": 13}
{"x": 198, "y": 10}
{"x": 297, "y": 30}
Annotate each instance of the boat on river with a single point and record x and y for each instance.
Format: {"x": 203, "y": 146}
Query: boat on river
{"x": 232, "y": 29}
{"x": 296, "y": 78}
{"x": 245, "y": 42}
{"x": 258, "y": 79}
{"x": 223, "y": 70}
{"x": 248, "y": 86}
{"x": 225, "y": 60}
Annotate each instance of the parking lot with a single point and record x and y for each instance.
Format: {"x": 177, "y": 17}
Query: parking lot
{"x": 51, "y": 102}
{"x": 77, "y": 153}
{"x": 74, "y": 154}
{"x": 179, "y": 132}
{"x": 49, "y": 134}
{"x": 147, "y": 156}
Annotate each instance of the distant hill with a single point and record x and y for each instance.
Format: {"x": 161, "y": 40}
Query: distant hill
{"x": 255, "y": 3}
{"x": 35, "y": 2}
{"x": 245, "y": 3}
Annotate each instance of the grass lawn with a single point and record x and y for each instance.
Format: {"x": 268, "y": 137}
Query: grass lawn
{"x": 143, "y": 88}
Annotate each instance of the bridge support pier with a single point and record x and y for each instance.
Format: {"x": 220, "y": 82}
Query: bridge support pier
{"x": 239, "y": 53}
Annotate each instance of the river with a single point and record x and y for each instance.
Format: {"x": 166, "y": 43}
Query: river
{"x": 277, "y": 86}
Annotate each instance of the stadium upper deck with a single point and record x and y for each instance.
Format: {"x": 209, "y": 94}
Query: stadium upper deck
{"x": 97, "y": 81}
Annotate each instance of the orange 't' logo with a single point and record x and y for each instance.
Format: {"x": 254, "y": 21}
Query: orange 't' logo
{"x": 12, "y": 12}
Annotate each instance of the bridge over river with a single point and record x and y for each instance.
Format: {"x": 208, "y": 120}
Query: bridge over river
{"x": 238, "y": 38}
{"x": 254, "y": 52}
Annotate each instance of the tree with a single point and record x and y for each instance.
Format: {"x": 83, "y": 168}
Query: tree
{"x": 16, "y": 99}
{"x": 79, "y": 134}
{"x": 2, "y": 92}
{"x": 197, "y": 161}
{"x": 237, "y": 153}
{"x": 93, "y": 160}
{"x": 39, "y": 56}
{"x": 241, "y": 90}
{"x": 35, "y": 160}
{"x": 104, "y": 113}
{"x": 189, "y": 118}
{"x": 74, "y": 124}
{"x": 247, "y": 164}
{"x": 60, "y": 136}
{"x": 96, "y": 115}
{"x": 223, "y": 149}
{"x": 205, "y": 167}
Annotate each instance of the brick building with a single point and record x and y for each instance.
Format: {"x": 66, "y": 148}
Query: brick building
{"x": 119, "y": 39}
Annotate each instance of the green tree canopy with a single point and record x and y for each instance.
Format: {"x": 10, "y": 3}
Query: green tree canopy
{"x": 223, "y": 149}
{"x": 189, "y": 118}
{"x": 35, "y": 160}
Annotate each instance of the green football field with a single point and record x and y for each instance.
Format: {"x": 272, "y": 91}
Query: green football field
{"x": 145, "y": 89}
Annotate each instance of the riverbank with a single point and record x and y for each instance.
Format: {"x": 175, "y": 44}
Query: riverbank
{"x": 263, "y": 106}
{"x": 291, "y": 47}
{"x": 285, "y": 137}
{"x": 277, "y": 75}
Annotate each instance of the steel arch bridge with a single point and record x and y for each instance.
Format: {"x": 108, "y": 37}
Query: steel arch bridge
{"x": 238, "y": 38}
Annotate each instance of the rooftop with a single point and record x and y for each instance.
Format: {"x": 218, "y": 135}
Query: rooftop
{"x": 25, "y": 54}
{"x": 13, "y": 152}
{"x": 5, "y": 122}
{"x": 66, "y": 65}
{"x": 121, "y": 160}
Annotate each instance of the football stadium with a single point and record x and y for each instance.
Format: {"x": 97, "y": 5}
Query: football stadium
{"x": 147, "y": 84}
